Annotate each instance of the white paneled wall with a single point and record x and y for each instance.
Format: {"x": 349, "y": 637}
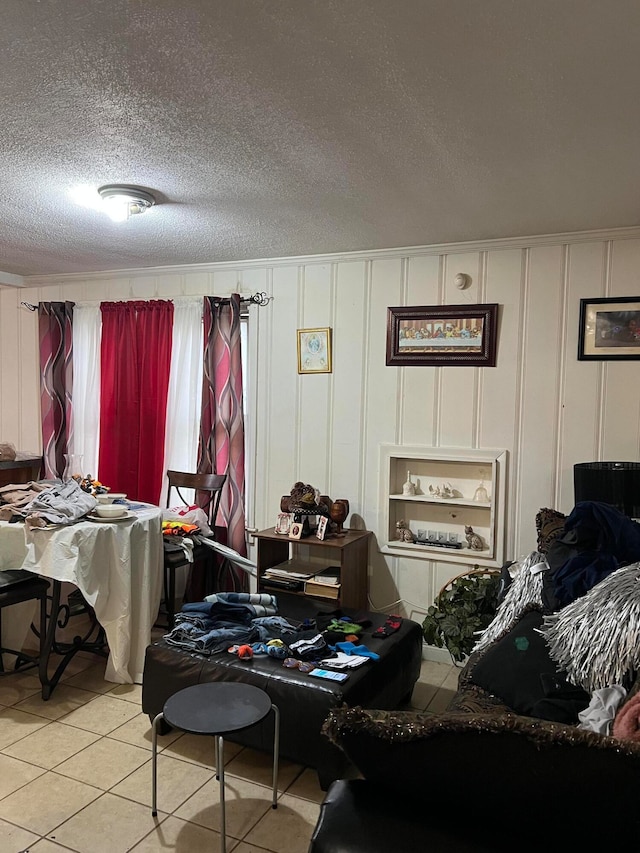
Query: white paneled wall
{"x": 548, "y": 409}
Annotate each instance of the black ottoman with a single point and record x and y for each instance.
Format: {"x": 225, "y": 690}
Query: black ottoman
{"x": 304, "y": 701}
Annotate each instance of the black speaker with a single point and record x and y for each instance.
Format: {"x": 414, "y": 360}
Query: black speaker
{"x": 616, "y": 483}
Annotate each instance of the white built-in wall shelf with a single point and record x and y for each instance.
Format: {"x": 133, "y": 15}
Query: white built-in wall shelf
{"x": 472, "y": 492}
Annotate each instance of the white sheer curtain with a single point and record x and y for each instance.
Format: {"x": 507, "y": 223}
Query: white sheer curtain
{"x": 185, "y": 390}
{"x": 87, "y": 326}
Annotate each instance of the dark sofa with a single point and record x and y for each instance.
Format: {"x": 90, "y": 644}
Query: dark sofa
{"x": 506, "y": 768}
{"x": 474, "y": 782}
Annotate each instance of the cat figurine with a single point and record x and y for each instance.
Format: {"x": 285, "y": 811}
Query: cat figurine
{"x": 403, "y": 533}
{"x": 474, "y": 541}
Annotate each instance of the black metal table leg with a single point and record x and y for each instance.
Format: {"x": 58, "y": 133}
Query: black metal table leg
{"x": 88, "y": 643}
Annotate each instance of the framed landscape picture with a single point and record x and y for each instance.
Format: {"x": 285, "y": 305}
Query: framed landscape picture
{"x": 446, "y": 335}
{"x": 609, "y": 329}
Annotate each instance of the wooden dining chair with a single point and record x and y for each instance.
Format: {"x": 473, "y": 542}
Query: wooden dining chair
{"x": 208, "y": 492}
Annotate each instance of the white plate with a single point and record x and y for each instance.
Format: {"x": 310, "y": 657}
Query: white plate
{"x": 93, "y": 517}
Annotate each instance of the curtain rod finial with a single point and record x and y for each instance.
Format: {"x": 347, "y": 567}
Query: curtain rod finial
{"x": 260, "y": 298}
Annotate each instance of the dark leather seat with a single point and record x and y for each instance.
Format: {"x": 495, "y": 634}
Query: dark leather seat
{"x": 357, "y": 816}
{"x": 17, "y": 585}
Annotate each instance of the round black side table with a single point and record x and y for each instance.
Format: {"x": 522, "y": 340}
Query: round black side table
{"x": 216, "y": 709}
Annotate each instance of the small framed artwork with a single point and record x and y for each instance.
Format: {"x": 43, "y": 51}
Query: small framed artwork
{"x": 314, "y": 351}
{"x": 443, "y": 335}
{"x": 609, "y": 329}
{"x": 295, "y": 531}
{"x": 283, "y": 522}
{"x": 321, "y": 529}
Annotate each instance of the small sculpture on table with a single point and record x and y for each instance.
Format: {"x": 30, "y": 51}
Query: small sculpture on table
{"x": 304, "y": 502}
{"x": 338, "y": 512}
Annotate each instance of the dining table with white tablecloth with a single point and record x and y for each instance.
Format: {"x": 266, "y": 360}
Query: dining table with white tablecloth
{"x": 116, "y": 564}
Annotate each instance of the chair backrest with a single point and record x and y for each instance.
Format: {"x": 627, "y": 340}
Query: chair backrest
{"x": 211, "y": 483}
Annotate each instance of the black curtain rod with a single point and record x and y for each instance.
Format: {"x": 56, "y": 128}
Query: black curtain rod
{"x": 258, "y": 298}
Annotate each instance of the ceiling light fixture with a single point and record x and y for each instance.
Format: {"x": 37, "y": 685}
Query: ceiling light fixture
{"x": 122, "y": 201}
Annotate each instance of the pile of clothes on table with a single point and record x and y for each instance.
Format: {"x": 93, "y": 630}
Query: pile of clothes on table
{"x": 248, "y": 624}
{"x": 40, "y": 504}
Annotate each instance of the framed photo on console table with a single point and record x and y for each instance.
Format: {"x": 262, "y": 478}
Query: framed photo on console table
{"x": 609, "y": 329}
{"x": 445, "y": 335}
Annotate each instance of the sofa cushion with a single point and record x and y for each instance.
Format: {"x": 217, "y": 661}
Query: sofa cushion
{"x": 595, "y": 638}
{"x": 547, "y": 781}
{"x": 360, "y": 817}
{"x": 519, "y": 670}
{"x": 549, "y": 526}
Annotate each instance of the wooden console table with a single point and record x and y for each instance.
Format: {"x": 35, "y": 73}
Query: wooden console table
{"x": 20, "y": 470}
{"x": 349, "y": 553}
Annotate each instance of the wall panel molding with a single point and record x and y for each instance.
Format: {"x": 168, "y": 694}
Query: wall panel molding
{"x": 630, "y": 233}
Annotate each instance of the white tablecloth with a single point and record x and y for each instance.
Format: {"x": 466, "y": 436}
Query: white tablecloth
{"x": 117, "y": 566}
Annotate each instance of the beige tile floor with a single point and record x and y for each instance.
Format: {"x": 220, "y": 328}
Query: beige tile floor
{"x": 75, "y": 774}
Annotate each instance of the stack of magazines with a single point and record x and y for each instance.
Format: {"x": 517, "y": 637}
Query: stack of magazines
{"x": 325, "y": 584}
{"x": 286, "y": 576}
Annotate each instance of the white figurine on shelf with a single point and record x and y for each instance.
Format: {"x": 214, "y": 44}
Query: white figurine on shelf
{"x": 409, "y": 488}
{"x": 481, "y": 494}
{"x": 444, "y": 491}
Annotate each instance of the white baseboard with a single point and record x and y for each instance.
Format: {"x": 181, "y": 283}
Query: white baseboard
{"x": 435, "y": 654}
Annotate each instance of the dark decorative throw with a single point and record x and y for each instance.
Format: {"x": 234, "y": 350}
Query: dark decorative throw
{"x": 519, "y": 670}
{"x": 597, "y": 539}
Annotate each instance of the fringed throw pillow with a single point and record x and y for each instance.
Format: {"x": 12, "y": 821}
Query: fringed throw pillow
{"x": 549, "y": 526}
{"x": 524, "y": 593}
{"x": 595, "y": 639}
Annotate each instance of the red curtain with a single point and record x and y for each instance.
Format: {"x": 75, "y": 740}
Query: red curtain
{"x": 135, "y": 362}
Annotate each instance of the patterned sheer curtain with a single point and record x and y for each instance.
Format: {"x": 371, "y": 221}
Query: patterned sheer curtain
{"x": 55, "y": 326}
{"x": 221, "y": 449}
{"x": 86, "y": 385}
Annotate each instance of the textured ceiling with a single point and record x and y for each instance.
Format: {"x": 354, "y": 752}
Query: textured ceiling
{"x": 272, "y": 128}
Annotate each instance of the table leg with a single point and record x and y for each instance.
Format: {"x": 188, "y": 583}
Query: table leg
{"x": 276, "y": 750}
{"x": 220, "y": 767}
{"x": 47, "y": 640}
{"x": 67, "y": 650}
{"x": 154, "y": 762}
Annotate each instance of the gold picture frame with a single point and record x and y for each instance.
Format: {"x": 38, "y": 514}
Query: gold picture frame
{"x": 314, "y": 351}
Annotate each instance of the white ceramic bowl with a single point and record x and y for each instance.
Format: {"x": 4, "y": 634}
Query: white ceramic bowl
{"x": 111, "y": 510}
